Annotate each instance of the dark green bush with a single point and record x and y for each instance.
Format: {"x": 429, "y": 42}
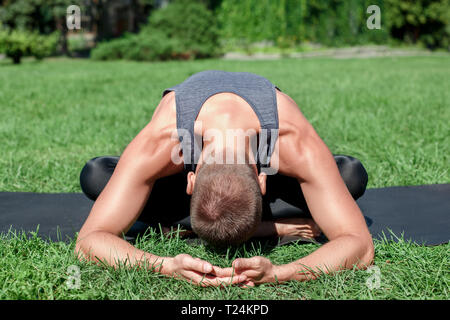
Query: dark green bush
{"x": 112, "y": 50}
{"x": 154, "y": 46}
{"x": 182, "y": 30}
{"x": 140, "y": 47}
{"x": 44, "y": 45}
{"x": 16, "y": 44}
{"x": 420, "y": 21}
{"x": 191, "y": 23}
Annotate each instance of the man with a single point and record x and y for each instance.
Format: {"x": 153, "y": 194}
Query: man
{"x": 230, "y": 183}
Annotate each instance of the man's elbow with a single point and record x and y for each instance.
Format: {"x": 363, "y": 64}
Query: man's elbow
{"x": 367, "y": 253}
{"x": 78, "y": 250}
{"x": 80, "y": 245}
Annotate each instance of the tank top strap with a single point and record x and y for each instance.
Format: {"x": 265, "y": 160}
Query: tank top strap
{"x": 256, "y": 90}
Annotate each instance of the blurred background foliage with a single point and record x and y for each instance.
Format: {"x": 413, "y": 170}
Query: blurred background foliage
{"x": 180, "y": 30}
{"x": 190, "y": 29}
{"x": 16, "y": 44}
{"x": 335, "y": 22}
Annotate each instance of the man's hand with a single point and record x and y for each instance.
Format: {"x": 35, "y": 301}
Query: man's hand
{"x": 200, "y": 272}
{"x": 257, "y": 270}
{"x": 300, "y": 227}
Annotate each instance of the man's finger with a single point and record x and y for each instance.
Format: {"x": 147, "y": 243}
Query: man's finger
{"x": 247, "y": 284}
{"x": 243, "y": 263}
{"x": 223, "y": 281}
{"x": 211, "y": 281}
{"x": 197, "y": 265}
{"x": 196, "y": 278}
{"x": 223, "y": 272}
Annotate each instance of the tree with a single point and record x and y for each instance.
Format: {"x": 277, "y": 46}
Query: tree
{"x": 43, "y": 16}
{"x": 425, "y": 21}
{"x": 19, "y": 43}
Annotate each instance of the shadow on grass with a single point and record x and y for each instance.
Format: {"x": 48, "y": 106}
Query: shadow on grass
{"x": 259, "y": 246}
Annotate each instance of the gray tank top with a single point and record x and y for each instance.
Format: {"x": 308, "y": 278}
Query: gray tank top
{"x": 257, "y": 91}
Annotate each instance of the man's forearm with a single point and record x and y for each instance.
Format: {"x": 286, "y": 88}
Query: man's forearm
{"x": 106, "y": 247}
{"x": 341, "y": 253}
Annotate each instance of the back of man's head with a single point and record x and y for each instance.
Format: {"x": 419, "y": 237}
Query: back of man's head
{"x": 226, "y": 204}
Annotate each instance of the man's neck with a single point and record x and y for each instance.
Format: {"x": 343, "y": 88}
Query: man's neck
{"x": 215, "y": 152}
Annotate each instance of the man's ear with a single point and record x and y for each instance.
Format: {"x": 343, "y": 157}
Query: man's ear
{"x": 190, "y": 182}
{"x": 262, "y": 178}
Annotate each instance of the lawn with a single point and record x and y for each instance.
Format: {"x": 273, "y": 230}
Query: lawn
{"x": 391, "y": 113}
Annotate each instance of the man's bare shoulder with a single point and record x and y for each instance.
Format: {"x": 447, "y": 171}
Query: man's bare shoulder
{"x": 162, "y": 124}
{"x": 290, "y": 117}
{"x": 298, "y": 144}
{"x": 166, "y": 109}
{"x": 154, "y": 144}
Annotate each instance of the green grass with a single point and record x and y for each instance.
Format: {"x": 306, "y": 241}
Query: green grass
{"x": 391, "y": 113}
{"x": 35, "y": 269}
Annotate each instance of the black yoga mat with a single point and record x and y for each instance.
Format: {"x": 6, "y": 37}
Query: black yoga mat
{"x": 420, "y": 213}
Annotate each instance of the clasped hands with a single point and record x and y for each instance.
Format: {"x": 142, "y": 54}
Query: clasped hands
{"x": 245, "y": 272}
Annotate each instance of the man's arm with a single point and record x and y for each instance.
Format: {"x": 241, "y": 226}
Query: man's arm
{"x": 332, "y": 208}
{"x": 120, "y": 203}
{"x": 305, "y": 156}
{"x": 145, "y": 159}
